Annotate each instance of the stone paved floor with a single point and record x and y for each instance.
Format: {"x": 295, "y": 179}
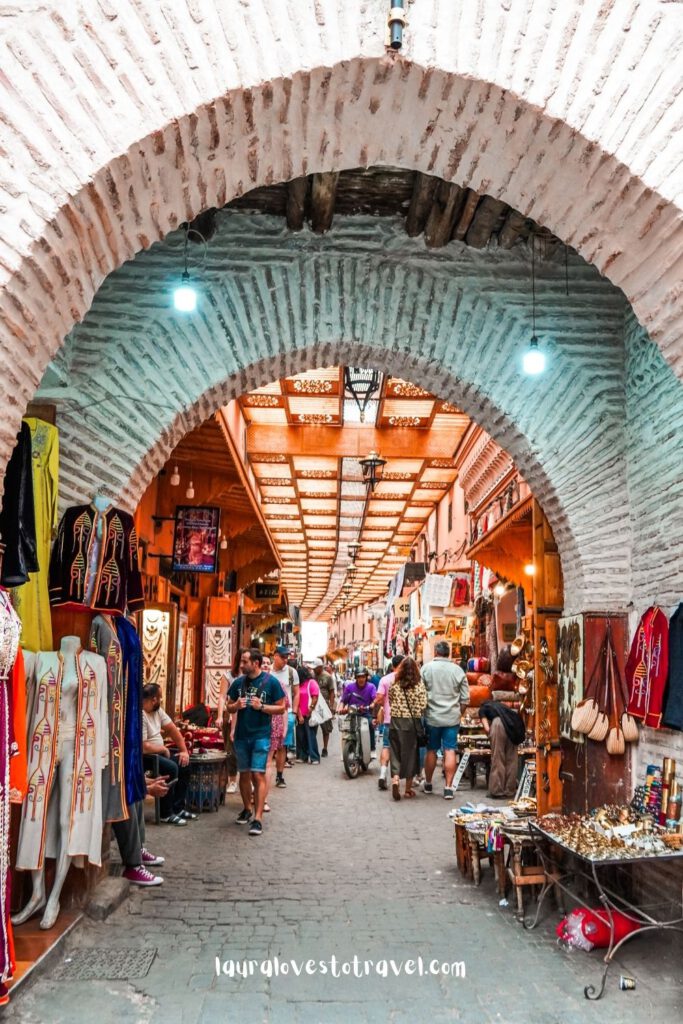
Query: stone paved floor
{"x": 340, "y": 870}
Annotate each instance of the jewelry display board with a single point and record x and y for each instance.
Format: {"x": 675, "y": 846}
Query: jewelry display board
{"x": 570, "y": 673}
{"x": 217, "y": 661}
{"x": 157, "y": 628}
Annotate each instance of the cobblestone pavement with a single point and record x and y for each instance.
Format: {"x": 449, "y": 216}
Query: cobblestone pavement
{"x": 340, "y": 870}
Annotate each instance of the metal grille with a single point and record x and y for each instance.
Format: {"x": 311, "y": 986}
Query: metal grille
{"x": 107, "y": 964}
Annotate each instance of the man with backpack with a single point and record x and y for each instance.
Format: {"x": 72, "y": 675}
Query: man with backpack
{"x": 289, "y": 681}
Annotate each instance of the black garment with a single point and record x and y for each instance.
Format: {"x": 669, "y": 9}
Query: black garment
{"x": 18, "y": 519}
{"x": 198, "y": 714}
{"x": 130, "y": 835}
{"x": 405, "y": 753}
{"x": 511, "y": 719}
{"x": 673, "y": 705}
{"x": 174, "y": 801}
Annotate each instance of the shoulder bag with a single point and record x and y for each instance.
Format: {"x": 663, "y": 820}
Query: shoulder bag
{"x": 321, "y": 712}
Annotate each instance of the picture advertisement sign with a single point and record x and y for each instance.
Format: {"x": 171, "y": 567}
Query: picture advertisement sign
{"x": 195, "y": 539}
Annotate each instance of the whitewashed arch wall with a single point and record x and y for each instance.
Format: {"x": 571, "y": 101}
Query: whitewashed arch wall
{"x": 136, "y": 376}
{"x": 121, "y": 120}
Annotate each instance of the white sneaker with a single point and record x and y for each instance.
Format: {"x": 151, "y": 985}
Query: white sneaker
{"x": 231, "y": 787}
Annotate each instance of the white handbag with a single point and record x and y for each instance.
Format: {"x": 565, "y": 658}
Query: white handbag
{"x": 321, "y": 712}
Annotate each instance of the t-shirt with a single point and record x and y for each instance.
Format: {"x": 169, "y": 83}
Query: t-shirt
{"x": 253, "y": 724}
{"x": 326, "y": 684}
{"x": 355, "y": 697}
{"x": 307, "y": 691}
{"x": 383, "y": 691}
{"x": 152, "y": 724}
{"x": 287, "y": 678}
{"x": 447, "y": 689}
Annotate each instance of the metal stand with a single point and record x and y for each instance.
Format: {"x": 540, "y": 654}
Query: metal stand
{"x": 612, "y": 902}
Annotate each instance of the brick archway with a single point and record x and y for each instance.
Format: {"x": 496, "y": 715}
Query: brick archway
{"x": 163, "y": 113}
{"x": 135, "y": 376}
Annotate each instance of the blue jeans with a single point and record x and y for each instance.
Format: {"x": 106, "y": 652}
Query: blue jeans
{"x": 307, "y": 740}
{"x": 252, "y": 753}
{"x": 442, "y": 735}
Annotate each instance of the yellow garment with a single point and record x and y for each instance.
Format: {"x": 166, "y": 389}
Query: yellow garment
{"x": 32, "y": 601}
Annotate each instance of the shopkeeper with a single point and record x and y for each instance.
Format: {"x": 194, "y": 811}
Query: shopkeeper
{"x": 157, "y": 726}
{"x": 506, "y": 730}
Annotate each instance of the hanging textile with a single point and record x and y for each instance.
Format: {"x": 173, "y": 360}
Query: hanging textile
{"x": 31, "y": 600}
{"x": 39, "y": 831}
{"x": 115, "y": 582}
{"x": 12, "y": 746}
{"x": 647, "y": 667}
{"x": 17, "y": 518}
{"x": 673, "y": 707}
{"x": 105, "y": 642}
{"x": 134, "y": 771}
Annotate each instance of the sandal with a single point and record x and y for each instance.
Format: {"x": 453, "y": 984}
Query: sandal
{"x": 395, "y": 791}
{"x": 266, "y": 808}
{"x": 409, "y": 793}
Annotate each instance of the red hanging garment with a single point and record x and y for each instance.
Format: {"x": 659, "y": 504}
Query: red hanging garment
{"x": 647, "y": 668}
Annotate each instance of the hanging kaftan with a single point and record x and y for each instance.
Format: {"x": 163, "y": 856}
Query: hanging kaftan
{"x": 134, "y": 770}
{"x": 39, "y": 833}
{"x": 105, "y": 642}
{"x": 647, "y": 668}
{"x": 10, "y": 744}
{"x": 31, "y": 600}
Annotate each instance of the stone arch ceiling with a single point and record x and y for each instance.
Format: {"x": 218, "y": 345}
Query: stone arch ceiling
{"x": 135, "y": 376}
{"x": 120, "y": 120}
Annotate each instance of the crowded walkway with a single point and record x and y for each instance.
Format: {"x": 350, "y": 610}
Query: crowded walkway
{"x": 345, "y": 871}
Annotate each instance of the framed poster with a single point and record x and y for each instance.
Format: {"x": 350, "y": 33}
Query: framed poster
{"x": 195, "y": 538}
{"x": 157, "y": 630}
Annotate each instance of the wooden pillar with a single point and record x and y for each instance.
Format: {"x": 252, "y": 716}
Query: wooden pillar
{"x": 547, "y": 608}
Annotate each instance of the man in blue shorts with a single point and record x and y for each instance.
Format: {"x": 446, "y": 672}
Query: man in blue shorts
{"x": 447, "y": 696}
{"x": 256, "y": 696}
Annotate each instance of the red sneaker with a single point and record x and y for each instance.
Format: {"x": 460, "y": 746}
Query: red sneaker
{"x": 4, "y": 994}
{"x": 150, "y": 860}
{"x": 141, "y": 876}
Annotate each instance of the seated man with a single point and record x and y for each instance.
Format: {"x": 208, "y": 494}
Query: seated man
{"x": 157, "y": 726}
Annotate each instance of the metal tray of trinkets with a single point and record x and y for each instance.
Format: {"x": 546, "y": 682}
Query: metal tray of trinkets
{"x": 576, "y": 835}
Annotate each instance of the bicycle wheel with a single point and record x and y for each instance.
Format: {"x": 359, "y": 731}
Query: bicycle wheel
{"x": 351, "y": 766}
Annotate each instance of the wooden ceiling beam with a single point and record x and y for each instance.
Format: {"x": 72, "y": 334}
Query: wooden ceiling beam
{"x": 448, "y": 202}
{"x": 465, "y": 219}
{"x": 391, "y": 443}
{"x": 424, "y": 188}
{"x": 323, "y": 192}
{"x": 297, "y": 192}
{"x": 515, "y": 225}
{"x": 484, "y": 221}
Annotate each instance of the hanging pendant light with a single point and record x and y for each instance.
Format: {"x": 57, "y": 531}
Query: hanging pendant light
{"x": 353, "y": 549}
{"x": 533, "y": 361}
{"x": 189, "y": 493}
{"x": 372, "y": 467}
{"x": 185, "y": 295}
{"x": 175, "y": 477}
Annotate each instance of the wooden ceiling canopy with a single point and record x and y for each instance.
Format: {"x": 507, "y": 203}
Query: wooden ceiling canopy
{"x": 441, "y": 211}
{"x": 304, "y": 442}
{"x": 508, "y": 546}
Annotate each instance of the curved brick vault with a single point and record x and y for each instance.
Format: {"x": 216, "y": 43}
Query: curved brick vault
{"x": 120, "y": 122}
{"x": 135, "y": 376}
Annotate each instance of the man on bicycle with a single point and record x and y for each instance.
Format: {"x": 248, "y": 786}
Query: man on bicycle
{"x": 359, "y": 694}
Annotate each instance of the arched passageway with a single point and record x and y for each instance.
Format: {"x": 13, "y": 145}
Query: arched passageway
{"x": 592, "y": 154}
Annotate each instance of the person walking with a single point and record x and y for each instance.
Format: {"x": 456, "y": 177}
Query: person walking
{"x": 447, "y": 697}
{"x": 407, "y": 702}
{"x": 382, "y": 702}
{"x": 306, "y": 734}
{"x": 289, "y": 681}
{"x": 255, "y": 697}
{"x": 505, "y": 728}
{"x": 327, "y": 688}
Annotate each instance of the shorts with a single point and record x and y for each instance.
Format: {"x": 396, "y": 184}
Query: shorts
{"x": 252, "y": 754}
{"x": 326, "y": 727}
{"x": 386, "y": 743}
{"x": 445, "y": 736}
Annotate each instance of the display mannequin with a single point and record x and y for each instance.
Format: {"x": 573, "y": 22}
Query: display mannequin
{"x": 68, "y": 749}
